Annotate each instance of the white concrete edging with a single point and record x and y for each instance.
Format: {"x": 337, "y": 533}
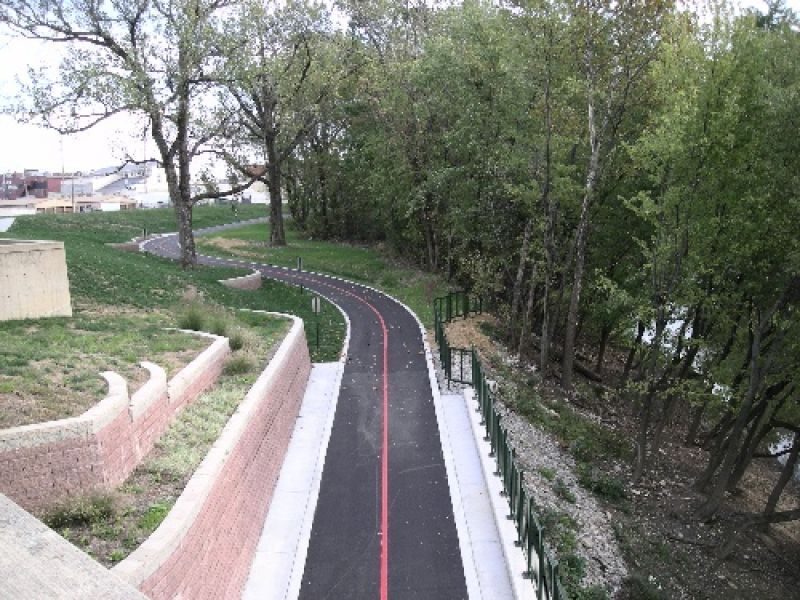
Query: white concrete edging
{"x": 515, "y": 561}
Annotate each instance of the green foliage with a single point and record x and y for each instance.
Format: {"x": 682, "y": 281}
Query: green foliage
{"x": 153, "y": 516}
{"x": 236, "y": 340}
{"x": 81, "y": 510}
{"x": 610, "y": 489}
{"x": 594, "y": 592}
{"x": 193, "y": 318}
{"x": 562, "y": 491}
{"x": 547, "y": 473}
{"x": 238, "y": 365}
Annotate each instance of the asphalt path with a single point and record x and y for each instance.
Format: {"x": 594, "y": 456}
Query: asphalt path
{"x": 384, "y": 525}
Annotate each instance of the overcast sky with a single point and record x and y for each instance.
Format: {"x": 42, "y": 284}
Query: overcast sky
{"x": 31, "y": 147}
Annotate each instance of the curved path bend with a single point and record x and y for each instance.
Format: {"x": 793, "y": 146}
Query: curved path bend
{"x": 384, "y": 525}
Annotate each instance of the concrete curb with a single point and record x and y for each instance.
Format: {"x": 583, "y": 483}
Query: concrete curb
{"x": 515, "y": 563}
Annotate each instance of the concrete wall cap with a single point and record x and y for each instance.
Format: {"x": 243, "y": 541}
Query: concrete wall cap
{"x": 41, "y": 434}
{"x": 108, "y": 409}
{"x": 154, "y": 389}
{"x": 13, "y": 245}
{"x": 250, "y": 281}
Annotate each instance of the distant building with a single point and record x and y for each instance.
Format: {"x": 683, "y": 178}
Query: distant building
{"x": 29, "y": 184}
{"x": 77, "y": 187}
{"x": 54, "y": 205}
{"x": 105, "y": 204}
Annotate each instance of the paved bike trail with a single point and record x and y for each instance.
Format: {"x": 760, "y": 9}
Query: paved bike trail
{"x": 384, "y": 475}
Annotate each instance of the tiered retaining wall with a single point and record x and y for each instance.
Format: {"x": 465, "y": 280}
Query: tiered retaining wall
{"x": 44, "y": 463}
{"x": 205, "y": 546}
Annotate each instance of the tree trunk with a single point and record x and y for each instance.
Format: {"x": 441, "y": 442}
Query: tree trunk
{"x": 601, "y": 353}
{"x": 730, "y": 541}
{"x": 516, "y": 296}
{"x": 717, "y": 493}
{"x": 429, "y": 232}
{"x": 582, "y": 235}
{"x": 277, "y": 236}
{"x": 632, "y": 354}
{"x": 186, "y": 235}
{"x": 528, "y": 312}
{"x": 694, "y": 423}
{"x": 786, "y": 475}
{"x": 577, "y": 280}
{"x": 758, "y": 431}
{"x": 549, "y": 223}
{"x": 640, "y": 459}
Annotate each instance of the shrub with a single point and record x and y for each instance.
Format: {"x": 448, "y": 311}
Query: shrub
{"x": 238, "y": 365}
{"x": 609, "y": 488}
{"x": 638, "y": 587}
{"x": 80, "y": 511}
{"x": 219, "y": 326}
{"x": 571, "y": 569}
{"x": 192, "y": 319}
{"x": 153, "y": 516}
{"x": 594, "y": 592}
{"x": 236, "y": 340}
{"x": 562, "y": 491}
{"x": 547, "y": 473}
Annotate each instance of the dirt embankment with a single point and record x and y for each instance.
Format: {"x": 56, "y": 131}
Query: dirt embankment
{"x": 648, "y": 537}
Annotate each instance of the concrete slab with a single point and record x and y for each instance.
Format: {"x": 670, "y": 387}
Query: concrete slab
{"x": 280, "y": 557}
{"x": 480, "y": 533}
{"x": 37, "y": 563}
{"x": 513, "y": 560}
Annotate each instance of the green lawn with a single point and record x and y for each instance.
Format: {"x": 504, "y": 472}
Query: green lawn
{"x": 50, "y": 368}
{"x": 363, "y": 264}
{"x": 101, "y": 275}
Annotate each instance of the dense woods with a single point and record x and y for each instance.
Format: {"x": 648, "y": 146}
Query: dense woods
{"x": 617, "y": 176}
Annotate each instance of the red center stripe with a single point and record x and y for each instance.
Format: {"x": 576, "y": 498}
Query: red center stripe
{"x": 384, "y": 445}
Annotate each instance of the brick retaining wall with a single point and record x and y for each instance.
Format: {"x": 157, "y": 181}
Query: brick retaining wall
{"x": 44, "y": 463}
{"x": 205, "y": 546}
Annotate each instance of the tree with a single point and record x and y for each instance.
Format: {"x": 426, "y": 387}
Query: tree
{"x": 277, "y": 77}
{"x": 155, "y": 59}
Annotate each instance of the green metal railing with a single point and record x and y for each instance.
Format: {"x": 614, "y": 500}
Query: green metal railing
{"x": 445, "y": 309}
{"x": 540, "y": 565}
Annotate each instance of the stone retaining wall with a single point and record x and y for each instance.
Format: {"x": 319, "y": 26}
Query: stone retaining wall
{"x": 205, "y": 546}
{"x": 44, "y": 463}
{"x": 252, "y": 281}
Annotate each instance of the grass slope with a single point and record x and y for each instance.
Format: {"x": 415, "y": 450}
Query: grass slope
{"x": 102, "y": 275}
{"x": 356, "y": 263}
{"x": 50, "y": 368}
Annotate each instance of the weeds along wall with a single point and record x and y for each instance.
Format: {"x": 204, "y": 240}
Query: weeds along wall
{"x": 205, "y": 546}
{"x": 45, "y": 463}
